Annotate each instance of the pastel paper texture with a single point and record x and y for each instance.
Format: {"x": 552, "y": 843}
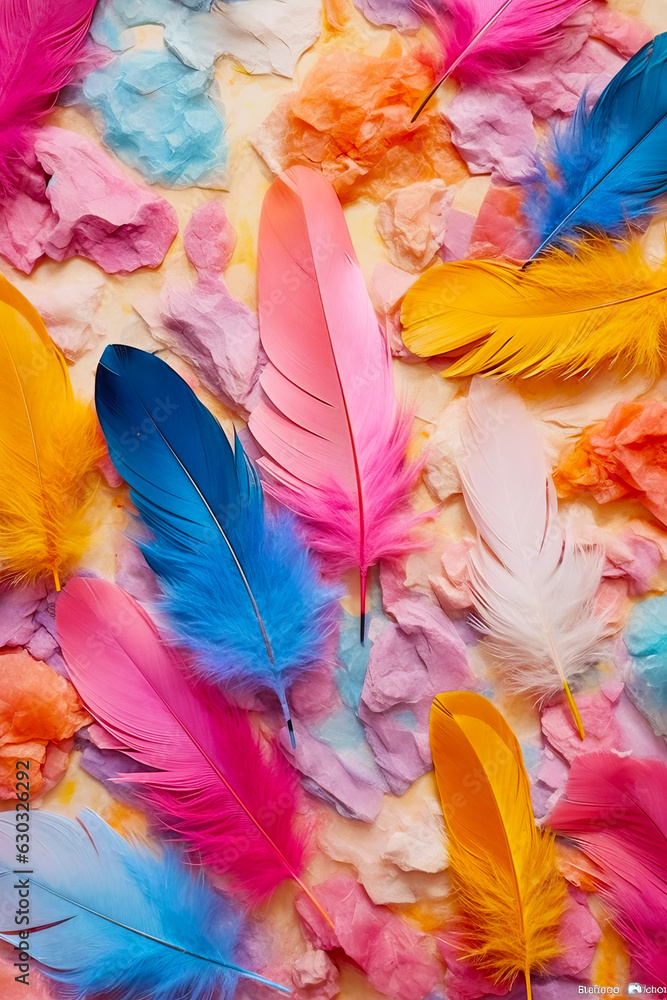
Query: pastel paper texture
{"x": 79, "y": 202}
{"x": 646, "y": 639}
{"x": 161, "y": 117}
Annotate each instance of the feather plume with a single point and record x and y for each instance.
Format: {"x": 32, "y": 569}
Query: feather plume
{"x": 240, "y": 589}
{"x": 49, "y": 449}
{"x": 40, "y": 44}
{"x": 563, "y": 314}
{"x": 607, "y": 163}
{"x": 533, "y": 586}
{"x": 108, "y": 915}
{"x": 504, "y": 871}
{"x": 333, "y": 437}
{"x": 213, "y": 784}
{"x": 615, "y": 810}
{"x": 483, "y": 39}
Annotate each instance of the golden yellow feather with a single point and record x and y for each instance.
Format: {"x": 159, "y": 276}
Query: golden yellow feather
{"x": 504, "y": 872}
{"x": 49, "y": 447}
{"x": 563, "y": 313}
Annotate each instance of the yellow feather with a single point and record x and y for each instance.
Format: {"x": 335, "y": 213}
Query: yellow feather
{"x": 504, "y": 870}
{"x": 563, "y": 313}
{"x": 49, "y": 447}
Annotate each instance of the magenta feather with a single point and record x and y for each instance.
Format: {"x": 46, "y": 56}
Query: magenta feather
{"x": 615, "y": 811}
{"x": 332, "y": 434}
{"x": 40, "y": 44}
{"x": 218, "y": 787}
{"x": 482, "y": 39}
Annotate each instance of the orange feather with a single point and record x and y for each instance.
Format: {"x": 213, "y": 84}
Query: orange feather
{"x": 504, "y": 871}
{"x": 49, "y": 447}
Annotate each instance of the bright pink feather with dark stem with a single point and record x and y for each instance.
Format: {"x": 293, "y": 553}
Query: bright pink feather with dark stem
{"x": 481, "y": 39}
{"x": 41, "y": 42}
{"x": 331, "y": 431}
{"x": 218, "y": 786}
{"x": 615, "y": 810}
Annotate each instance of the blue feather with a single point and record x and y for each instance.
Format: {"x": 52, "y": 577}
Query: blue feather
{"x": 240, "y": 588}
{"x": 107, "y": 915}
{"x": 609, "y": 161}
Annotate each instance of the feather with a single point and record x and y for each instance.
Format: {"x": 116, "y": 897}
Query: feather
{"x": 213, "y": 785}
{"x": 49, "y": 449}
{"x": 484, "y": 39}
{"x": 615, "y": 810}
{"x": 240, "y": 589}
{"x": 564, "y": 314}
{"x": 608, "y": 165}
{"x": 503, "y": 868}
{"x": 333, "y": 437}
{"x": 533, "y": 586}
{"x": 40, "y": 44}
{"x": 108, "y": 915}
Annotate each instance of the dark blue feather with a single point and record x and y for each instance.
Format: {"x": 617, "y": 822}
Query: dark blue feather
{"x": 610, "y": 161}
{"x": 240, "y": 588}
{"x": 107, "y": 915}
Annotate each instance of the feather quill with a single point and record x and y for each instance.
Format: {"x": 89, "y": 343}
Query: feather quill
{"x": 49, "y": 450}
{"x": 240, "y": 588}
{"x": 483, "y": 39}
{"x": 533, "y": 586}
{"x": 214, "y": 784}
{"x": 504, "y": 871}
{"x": 564, "y": 314}
{"x": 107, "y": 915}
{"x": 608, "y": 165}
{"x": 615, "y": 810}
{"x": 329, "y": 425}
{"x": 40, "y": 44}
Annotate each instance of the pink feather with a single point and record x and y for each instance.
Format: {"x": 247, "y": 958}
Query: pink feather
{"x": 615, "y": 810}
{"x": 218, "y": 787}
{"x": 40, "y": 44}
{"x": 332, "y": 434}
{"x": 482, "y": 39}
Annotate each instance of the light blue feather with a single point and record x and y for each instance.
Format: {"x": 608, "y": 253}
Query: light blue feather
{"x": 646, "y": 678}
{"x": 121, "y": 918}
{"x": 610, "y": 163}
{"x": 240, "y": 587}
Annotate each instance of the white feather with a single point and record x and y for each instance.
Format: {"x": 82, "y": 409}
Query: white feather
{"x": 533, "y": 585}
